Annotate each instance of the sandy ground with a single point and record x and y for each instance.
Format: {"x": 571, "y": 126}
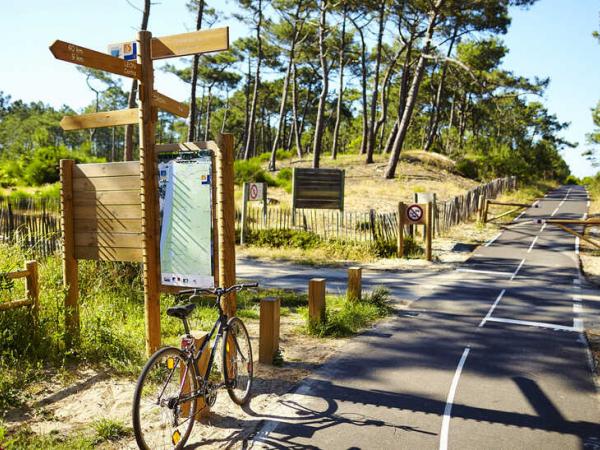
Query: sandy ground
{"x": 90, "y": 395}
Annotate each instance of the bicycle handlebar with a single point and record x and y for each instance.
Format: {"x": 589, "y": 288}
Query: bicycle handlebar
{"x": 219, "y": 291}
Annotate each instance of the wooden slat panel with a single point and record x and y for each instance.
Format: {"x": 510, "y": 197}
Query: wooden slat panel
{"x": 107, "y": 198}
{"x": 118, "y": 169}
{"x": 107, "y": 183}
{"x": 108, "y": 212}
{"x": 123, "y": 240}
{"x": 108, "y": 226}
{"x": 317, "y": 194}
{"x": 100, "y": 119}
{"x": 109, "y": 254}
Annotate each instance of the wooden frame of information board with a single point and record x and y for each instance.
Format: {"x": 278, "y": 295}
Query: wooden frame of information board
{"x": 129, "y": 231}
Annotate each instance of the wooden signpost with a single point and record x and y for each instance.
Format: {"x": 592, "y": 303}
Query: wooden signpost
{"x": 110, "y": 211}
{"x": 415, "y": 214}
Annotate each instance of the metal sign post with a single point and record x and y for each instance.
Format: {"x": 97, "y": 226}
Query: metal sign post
{"x": 252, "y": 192}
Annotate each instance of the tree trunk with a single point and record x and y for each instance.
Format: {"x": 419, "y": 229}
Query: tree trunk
{"x": 342, "y": 62}
{"x": 435, "y": 114}
{"x": 193, "y": 111}
{"x": 131, "y": 101}
{"x": 297, "y": 129}
{"x": 208, "y": 114}
{"x": 319, "y": 126}
{"x": 412, "y": 94}
{"x": 371, "y": 131}
{"x": 250, "y": 144}
{"x": 363, "y": 77}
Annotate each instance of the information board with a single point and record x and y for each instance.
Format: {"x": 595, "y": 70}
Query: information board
{"x": 186, "y": 244}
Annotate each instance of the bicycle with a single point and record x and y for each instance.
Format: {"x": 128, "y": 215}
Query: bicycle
{"x": 166, "y": 394}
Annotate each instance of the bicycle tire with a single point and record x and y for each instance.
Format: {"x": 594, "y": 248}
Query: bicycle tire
{"x": 238, "y": 367}
{"x": 150, "y": 434}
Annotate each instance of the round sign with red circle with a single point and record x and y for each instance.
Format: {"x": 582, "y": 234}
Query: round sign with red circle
{"x": 253, "y": 192}
{"x": 414, "y": 213}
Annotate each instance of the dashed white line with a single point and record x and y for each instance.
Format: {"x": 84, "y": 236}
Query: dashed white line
{"x": 519, "y": 216}
{"x": 578, "y": 325}
{"x": 491, "y": 241}
{"x": 450, "y": 401}
{"x": 517, "y": 271}
{"x": 532, "y": 244}
{"x": 587, "y": 204}
{"x": 554, "y": 212}
{"x": 577, "y": 308}
{"x": 489, "y": 314}
{"x": 489, "y": 272}
{"x": 543, "y": 227}
{"x": 533, "y": 324}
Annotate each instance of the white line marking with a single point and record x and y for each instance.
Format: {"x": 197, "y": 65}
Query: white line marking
{"x": 519, "y": 216}
{"x": 543, "y": 227}
{"x": 576, "y": 281}
{"x": 490, "y": 242}
{"x": 584, "y": 216}
{"x": 518, "y": 268}
{"x": 578, "y": 325}
{"x": 450, "y": 400}
{"x": 577, "y": 245}
{"x": 587, "y": 204}
{"x": 489, "y": 314}
{"x": 576, "y": 298}
{"x": 577, "y": 308}
{"x": 554, "y": 212}
{"x": 535, "y": 203}
{"x": 532, "y": 324}
{"x": 532, "y": 244}
{"x": 490, "y": 272}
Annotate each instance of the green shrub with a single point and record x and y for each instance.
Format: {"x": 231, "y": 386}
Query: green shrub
{"x": 110, "y": 430}
{"x": 467, "y": 168}
{"x": 43, "y": 166}
{"x": 284, "y": 179}
{"x": 283, "y": 238}
{"x": 251, "y": 171}
{"x": 572, "y": 179}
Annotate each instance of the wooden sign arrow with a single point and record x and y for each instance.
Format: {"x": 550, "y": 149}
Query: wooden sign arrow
{"x": 168, "y": 104}
{"x": 201, "y": 41}
{"x": 90, "y": 58}
{"x": 100, "y": 119}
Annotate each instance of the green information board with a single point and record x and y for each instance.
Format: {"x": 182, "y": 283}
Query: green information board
{"x": 186, "y": 244}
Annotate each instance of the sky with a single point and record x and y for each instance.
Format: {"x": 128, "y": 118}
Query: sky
{"x": 550, "y": 39}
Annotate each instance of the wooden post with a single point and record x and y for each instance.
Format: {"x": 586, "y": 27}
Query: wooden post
{"x": 70, "y": 268}
{"x": 294, "y": 198}
{"x": 316, "y": 300}
{"x": 354, "y": 292}
{"x": 480, "y": 207}
{"x": 33, "y": 290}
{"x": 401, "y": 210}
{"x": 486, "y": 207}
{"x": 269, "y": 329}
{"x": 149, "y": 194}
{"x": 226, "y": 220}
{"x": 244, "y": 214}
{"x": 428, "y": 230}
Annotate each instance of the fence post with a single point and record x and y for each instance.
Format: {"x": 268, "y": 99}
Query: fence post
{"x": 354, "y": 292}
{"x": 316, "y": 300}
{"x": 400, "y": 244}
{"x": 244, "y": 213}
{"x": 269, "y": 329}
{"x": 70, "y": 267}
{"x": 485, "y": 210}
{"x": 428, "y": 230}
{"x": 33, "y": 289}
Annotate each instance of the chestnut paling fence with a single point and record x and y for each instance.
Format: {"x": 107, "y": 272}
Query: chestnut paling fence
{"x": 34, "y": 223}
{"x": 371, "y": 225}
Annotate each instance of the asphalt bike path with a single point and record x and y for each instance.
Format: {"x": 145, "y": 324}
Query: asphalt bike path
{"x": 491, "y": 355}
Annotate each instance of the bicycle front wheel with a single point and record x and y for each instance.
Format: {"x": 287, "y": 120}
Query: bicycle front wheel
{"x": 237, "y": 361}
{"x": 163, "y": 409}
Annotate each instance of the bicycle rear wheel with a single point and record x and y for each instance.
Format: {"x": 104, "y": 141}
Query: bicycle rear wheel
{"x": 160, "y": 419}
{"x": 237, "y": 361}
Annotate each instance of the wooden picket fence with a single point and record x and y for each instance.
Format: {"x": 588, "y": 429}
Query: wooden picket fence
{"x": 33, "y": 224}
{"x": 372, "y": 225}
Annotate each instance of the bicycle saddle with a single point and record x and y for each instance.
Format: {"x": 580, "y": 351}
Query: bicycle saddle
{"x": 181, "y": 311}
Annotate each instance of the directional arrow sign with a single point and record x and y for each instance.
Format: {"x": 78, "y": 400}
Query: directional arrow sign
{"x": 100, "y": 119}
{"x": 168, "y": 104}
{"x": 90, "y": 58}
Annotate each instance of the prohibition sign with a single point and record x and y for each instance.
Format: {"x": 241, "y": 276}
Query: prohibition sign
{"x": 414, "y": 213}
{"x": 253, "y": 192}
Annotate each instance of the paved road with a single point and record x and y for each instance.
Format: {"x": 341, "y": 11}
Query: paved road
{"x": 490, "y": 356}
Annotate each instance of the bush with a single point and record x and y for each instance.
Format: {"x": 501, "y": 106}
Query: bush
{"x": 284, "y": 179}
{"x": 251, "y": 171}
{"x": 283, "y": 238}
{"x": 467, "y": 168}
{"x": 571, "y": 179}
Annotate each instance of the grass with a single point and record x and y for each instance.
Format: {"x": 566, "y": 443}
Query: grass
{"x": 345, "y": 318}
{"x": 110, "y": 430}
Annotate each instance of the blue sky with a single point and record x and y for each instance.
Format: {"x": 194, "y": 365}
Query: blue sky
{"x": 552, "y": 38}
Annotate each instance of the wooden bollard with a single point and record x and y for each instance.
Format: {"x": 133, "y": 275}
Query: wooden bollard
{"x": 354, "y": 292}
{"x": 268, "y": 343}
{"x": 316, "y": 300}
